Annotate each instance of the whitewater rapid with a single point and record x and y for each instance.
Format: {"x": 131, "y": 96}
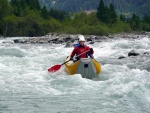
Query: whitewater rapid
{"x": 123, "y": 86}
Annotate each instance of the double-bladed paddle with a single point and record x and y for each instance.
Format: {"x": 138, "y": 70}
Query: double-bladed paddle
{"x": 58, "y": 66}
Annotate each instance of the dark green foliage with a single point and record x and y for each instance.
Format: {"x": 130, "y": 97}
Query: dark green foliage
{"x": 59, "y": 15}
{"x": 16, "y": 7}
{"x": 44, "y": 13}
{"x": 147, "y": 19}
{"x": 5, "y": 10}
{"x": 23, "y": 4}
{"x": 33, "y": 4}
{"x": 26, "y": 18}
{"x": 113, "y": 14}
{"x": 105, "y": 14}
{"x": 135, "y": 22}
{"x": 101, "y": 11}
{"x": 122, "y": 18}
{"x": 89, "y": 24}
{"x": 146, "y": 23}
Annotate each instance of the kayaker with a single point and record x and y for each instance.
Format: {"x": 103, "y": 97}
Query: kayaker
{"x": 81, "y": 48}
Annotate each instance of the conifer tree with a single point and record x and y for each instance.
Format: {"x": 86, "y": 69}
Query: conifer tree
{"x": 107, "y": 15}
{"x": 113, "y": 14}
{"x": 4, "y": 12}
{"x": 122, "y": 18}
{"x": 33, "y": 4}
{"x": 146, "y": 19}
{"x": 23, "y": 4}
{"x": 135, "y": 22}
{"x": 101, "y": 11}
{"x": 59, "y": 15}
{"x": 16, "y": 7}
{"x": 4, "y": 9}
{"x": 44, "y": 13}
{"x": 104, "y": 13}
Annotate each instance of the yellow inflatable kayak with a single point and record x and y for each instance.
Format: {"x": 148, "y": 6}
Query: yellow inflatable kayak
{"x": 87, "y": 67}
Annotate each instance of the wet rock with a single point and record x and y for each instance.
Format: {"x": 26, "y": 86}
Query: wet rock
{"x": 67, "y": 39}
{"x": 92, "y": 42}
{"x": 9, "y": 42}
{"x": 133, "y": 53}
{"x": 111, "y": 37}
{"x": 20, "y": 41}
{"x": 89, "y": 39}
{"x": 146, "y": 53}
{"x": 64, "y": 38}
{"x": 121, "y": 57}
{"x": 69, "y": 44}
{"x": 148, "y": 69}
{"x": 100, "y": 38}
{"x": 16, "y": 41}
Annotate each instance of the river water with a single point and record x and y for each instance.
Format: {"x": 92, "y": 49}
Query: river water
{"x": 123, "y": 86}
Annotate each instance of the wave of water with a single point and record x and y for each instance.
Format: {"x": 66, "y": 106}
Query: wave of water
{"x": 122, "y": 86}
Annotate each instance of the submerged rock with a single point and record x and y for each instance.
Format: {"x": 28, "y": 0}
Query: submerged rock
{"x": 133, "y": 53}
{"x": 92, "y": 42}
{"x": 121, "y": 57}
{"x": 7, "y": 42}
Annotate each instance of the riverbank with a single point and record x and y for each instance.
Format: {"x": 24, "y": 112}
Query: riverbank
{"x": 56, "y": 38}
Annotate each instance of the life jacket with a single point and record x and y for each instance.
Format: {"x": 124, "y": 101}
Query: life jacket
{"x": 75, "y": 45}
{"x": 79, "y": 49}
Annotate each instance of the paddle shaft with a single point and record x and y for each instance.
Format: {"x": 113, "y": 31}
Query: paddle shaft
{"x": 57, "y": 67}
{"x": 75, "y": 57}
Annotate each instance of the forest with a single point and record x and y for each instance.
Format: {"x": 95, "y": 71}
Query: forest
{"x": 28, "y": 18}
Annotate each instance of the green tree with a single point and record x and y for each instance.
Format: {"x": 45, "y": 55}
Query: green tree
{"x": 57, "y": 14}
{"x": 113, "y": 14}
{"x": 33, "y": 4}
{"x": 107, "y": 15}
{"x": 101, "y": 11}
{"x": 44, "y": 13}
{"x": 16, "y": 7}
{"x": 146, "y": 26}
{"x": 23, "y": 4}
{"x": 4, "y": 12}
{"x": 122, "y": 18}
{"x": 146, "y": 19}
{"x": 135, "y": 22}
{"x": 146, "y": 23}
{"x": 12, "y": 21}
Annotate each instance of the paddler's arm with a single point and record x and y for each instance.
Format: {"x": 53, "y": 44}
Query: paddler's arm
{"x": 91, "y": 52}
{"x": 72, "y": 54}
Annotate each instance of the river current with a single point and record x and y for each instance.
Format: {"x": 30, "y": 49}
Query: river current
{"x": 123, "y": 86}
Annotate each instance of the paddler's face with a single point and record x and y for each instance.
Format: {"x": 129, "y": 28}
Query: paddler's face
{"x": 81, "y": 43}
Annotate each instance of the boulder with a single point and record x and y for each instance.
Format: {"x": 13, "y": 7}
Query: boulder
{"x": 16, "y": 41}
{"x": 133, "y": 53}
{"x": 92, "y": 42}
{"x": 121, "y": 57}
{"x": 88, "y": 39}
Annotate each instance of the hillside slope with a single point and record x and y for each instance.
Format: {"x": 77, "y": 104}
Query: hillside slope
{"x": 140, "y": 7}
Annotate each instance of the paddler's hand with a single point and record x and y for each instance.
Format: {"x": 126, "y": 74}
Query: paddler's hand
{"x": 91, "y": 49}
{"x": 71, "y": 58}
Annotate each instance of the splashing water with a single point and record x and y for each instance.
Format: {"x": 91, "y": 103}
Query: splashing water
{"x": 123, "y": 86}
